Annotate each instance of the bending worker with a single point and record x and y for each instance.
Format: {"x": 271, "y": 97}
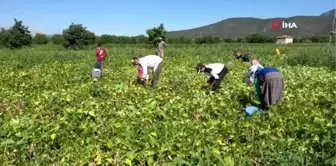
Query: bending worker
{"x": 269, "y": 84}
{"x": 216, "y": 72}
{"x": 150, "y": 61}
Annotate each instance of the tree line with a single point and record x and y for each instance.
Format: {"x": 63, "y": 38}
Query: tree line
{"x": 76, "y": 36}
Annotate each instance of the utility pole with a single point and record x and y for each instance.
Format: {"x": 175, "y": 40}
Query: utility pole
{"x": 332, "y": 33}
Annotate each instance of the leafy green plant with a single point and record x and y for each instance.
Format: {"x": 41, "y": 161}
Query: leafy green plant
{"x": 53, "y": 113}
{"x": 40, "y": 39}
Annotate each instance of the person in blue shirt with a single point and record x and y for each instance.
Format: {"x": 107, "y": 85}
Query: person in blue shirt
{"x": 269, "y": 84}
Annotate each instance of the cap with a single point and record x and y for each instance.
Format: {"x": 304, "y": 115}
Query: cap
{"x": 199, "y": 67}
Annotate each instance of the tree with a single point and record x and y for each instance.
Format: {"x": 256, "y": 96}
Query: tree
{"x": 155, "y": 33}
{"x": 104, "y": 39}
{"x": 141, "y": 39}
{"x": 239, "y": 40}
{"x": 40, "y": 39}
{"x": 228, "y": 40}
{"x": 77, "y": 37}
{"x": 179, "y": 40}
{"x": 57, "y": 39}
{"x": 17, "y": 36}
{"x": 112, "y": 39}
{"x": 4, "y": 37}
{"x": 257, "y": 38}
{"x": 319, "y": 39}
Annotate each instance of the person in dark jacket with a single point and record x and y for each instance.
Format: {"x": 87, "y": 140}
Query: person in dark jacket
{"x": 244, "y": 58}
{"x": 216, "y": 72}
{"x": 96, "y": 71}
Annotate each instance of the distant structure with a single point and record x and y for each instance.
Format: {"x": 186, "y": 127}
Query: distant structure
{"x": 284, "y": 39}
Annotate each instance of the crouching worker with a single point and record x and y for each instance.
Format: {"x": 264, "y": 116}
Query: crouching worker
{"x": 269, "y": 84}
{"x": 97, "y": 72}
{"x": 216, "y": 72}
{"x": 244, "y": 58}
{"x": 150, "y": 61}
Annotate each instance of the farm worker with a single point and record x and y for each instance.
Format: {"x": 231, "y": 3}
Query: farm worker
{"x": 160, "y": 47}
{"x": 238, "y": 55}
{"x": 150, "y": 61}
{"x": 216, "y": 72}
{"x": 96, "y": 72}
{"x": 269, "y": 84}
{"x": 277, "y": 52}
{"x": 101, "y": 54}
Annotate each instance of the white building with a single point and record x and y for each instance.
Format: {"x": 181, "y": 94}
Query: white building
{"x": 284, "y": 39}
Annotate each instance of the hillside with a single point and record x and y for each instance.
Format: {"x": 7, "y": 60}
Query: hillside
{"x": 238, "y": 27}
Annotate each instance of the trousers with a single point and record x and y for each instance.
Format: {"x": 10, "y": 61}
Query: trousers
{"x": 221, "y": 75}
{"x": 156, "y": 75}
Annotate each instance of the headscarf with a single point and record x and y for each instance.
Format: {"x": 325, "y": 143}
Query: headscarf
{"x": 253, "y": 69}
{"x": 255, "y": 62}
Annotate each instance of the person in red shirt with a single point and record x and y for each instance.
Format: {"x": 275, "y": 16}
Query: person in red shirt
{"x": 101, "y": 54}
{"x": 141, "y": 73}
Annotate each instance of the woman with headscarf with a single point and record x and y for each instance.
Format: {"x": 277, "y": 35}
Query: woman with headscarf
{"x": 252, "y": 70}
{"x": 269, "y": 83}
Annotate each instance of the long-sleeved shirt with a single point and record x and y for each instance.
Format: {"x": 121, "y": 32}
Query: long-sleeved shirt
{"x": 161, "y": 45}
{"x": 101, "y": 54}
{"x": 149, "y": 61}
{"x": 266, "y": 70}
{"x": 214, "y": 69}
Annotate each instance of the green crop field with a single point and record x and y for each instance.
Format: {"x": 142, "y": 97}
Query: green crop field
{"x": 53, "y": 113}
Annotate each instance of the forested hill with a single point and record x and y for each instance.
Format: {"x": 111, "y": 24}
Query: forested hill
{"x": 239, "y": 27}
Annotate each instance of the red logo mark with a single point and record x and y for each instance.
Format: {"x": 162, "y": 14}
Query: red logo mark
{"x": 276, "y": 24}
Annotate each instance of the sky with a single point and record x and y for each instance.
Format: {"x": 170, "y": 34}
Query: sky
{"x": 133, "y": 17}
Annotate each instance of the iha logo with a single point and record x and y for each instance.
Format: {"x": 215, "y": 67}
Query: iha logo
{"x": 278, "y": 24}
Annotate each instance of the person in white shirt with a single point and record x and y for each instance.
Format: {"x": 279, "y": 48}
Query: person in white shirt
{"x": 149, "y": 62}
{"x": 216, "y": 72}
